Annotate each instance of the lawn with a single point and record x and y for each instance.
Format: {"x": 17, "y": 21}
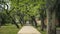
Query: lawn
{"x": 39, "y": 29}
{"x": 9, "y": 29}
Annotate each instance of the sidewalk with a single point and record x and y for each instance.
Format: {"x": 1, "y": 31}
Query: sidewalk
{"x": 28, "y": 30}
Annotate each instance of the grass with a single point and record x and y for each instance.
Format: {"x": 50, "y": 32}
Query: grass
{"x": 9, "y": 29}
{"x": 39, "y": 29}
{"x": 58, "y": 28}
{"x": 44, "y": 32}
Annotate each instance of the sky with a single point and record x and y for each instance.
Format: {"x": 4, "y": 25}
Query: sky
{"x": 8, "y": 3}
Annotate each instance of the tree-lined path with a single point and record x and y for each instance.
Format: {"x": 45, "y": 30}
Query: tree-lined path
{"x": 28, "y": 30}
{"x": 25, "y": 12}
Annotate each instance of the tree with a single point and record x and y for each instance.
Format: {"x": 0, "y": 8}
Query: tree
{"x": 42, "y": 14}
{"x": 6, "y": 12}
{"x": 51, "y": 11}
{"x": 58, "y": 13}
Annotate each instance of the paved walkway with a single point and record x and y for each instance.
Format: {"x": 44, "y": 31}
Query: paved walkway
{"x": 28, "y": 30}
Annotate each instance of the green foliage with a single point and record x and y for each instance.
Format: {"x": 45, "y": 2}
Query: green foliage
{"x": 27, "y": 7}
{"x": 22, "y": 8}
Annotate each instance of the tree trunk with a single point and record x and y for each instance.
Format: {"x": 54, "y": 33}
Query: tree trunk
{"x": 58, "y": 13}
{"x": 59, "y": 22}
{"x": 20, "y": 20}
{"x": 14, "y": 21}
{"x": 7, "y": 12}
{"x": 0, "y": 21}
{"x": 51, "y": 28}
{"x": 42, "y": 22}
{"x": 33, "y": 19}
{"x": 53, "y": 23}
